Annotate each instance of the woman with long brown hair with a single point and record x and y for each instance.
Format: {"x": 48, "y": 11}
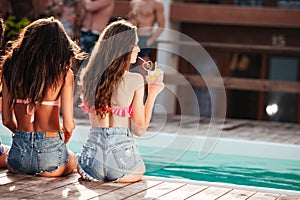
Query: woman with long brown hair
{"x": 3, "y": 148}
{"x": 37, "y": 83}
{"x": 113, "y": 98}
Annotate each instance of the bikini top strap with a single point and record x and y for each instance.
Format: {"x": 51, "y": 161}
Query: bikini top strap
{"x": 122, "y": 112}
{"x": 51, "y": 103}
{"x": 30, "y": 109}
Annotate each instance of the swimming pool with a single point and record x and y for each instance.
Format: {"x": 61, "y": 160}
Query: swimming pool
{"x": 240, "y": 162}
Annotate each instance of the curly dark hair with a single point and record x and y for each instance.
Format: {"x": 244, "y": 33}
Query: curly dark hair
{"x": 109, "y": 61}
{"x": 38, "y": 60}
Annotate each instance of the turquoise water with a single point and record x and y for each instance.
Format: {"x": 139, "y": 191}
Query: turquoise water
{"x": 233, "y": 169}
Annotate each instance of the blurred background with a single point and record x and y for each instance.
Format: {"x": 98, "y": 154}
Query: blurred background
{"x": 255, "y": 45}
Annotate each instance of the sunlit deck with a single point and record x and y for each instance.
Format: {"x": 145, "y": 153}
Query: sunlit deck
{"x": 71, "y": 187}
{"x": 14, "y": 186}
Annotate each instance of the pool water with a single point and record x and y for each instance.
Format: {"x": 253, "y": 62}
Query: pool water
{"x": 233, "y": 169}
{"x": 215, "y": 167}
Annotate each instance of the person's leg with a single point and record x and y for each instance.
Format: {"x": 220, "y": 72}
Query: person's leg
{"x": 124, "y": 163}
{"x": 90, "y": 160}
{"x": 134, "y": 176}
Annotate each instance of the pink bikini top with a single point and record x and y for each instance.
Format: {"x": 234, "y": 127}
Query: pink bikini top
{"x": 122, "y": 112}
{"x": 30, "y": 109}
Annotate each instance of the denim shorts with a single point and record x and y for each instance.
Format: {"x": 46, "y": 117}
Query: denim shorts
{"x": 109, "y": 154}
{"x": 34, "y": 153}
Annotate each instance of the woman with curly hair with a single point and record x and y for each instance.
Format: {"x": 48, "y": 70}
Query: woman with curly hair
{"x": 37, "y": 83}
{"x": 3, "y": 148}
{"x": 113, "y": 98}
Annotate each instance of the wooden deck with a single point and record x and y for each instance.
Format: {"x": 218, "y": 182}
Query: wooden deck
{"x": 15, "y": 186}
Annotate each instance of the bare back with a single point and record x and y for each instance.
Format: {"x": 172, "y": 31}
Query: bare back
{"x": 122, "y": 97}
{"x": 46, "y": 118}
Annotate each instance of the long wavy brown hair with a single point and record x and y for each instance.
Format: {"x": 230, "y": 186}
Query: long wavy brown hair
{"x": 108, "y": 62}
{"x": 38, "y": 60}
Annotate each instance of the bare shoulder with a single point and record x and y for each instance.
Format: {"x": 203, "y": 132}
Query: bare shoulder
{"x": 70, "y": 74}
{"x": 133, "y": 80}
{"x": 69, "y": 77}
{"x": 134, "y": 76}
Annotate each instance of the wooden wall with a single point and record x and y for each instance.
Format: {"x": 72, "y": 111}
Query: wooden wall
{"x": 225, "y": 29}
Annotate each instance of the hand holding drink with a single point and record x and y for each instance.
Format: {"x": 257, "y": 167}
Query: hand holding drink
{"x": 156, "y": 75}
{"x": 153, "y": 75}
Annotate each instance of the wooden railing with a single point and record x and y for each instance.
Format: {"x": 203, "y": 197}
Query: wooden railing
{"x": 273, "y": 20}
{"x": 234, "y": 83}
{"x": 224, "y": 14}
{"x": 239, "y": 83}
{"x": 260, "y": 85}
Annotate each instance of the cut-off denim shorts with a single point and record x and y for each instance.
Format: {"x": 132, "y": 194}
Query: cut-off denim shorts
{"x": 33, "y": 153}
{"x": 109, "y": 154}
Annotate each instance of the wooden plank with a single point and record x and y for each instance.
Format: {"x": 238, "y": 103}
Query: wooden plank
{"x": 129, "y": 190}
{"x": 94, "y": 190}
{"x": 284, "y": 197}
{"x": 183, "y": 192}
{"x": 6, "y": 180}
{"x": 237, "y": 194}
{"x": 13, "y": 188}
{"x": 211, "y": 193}
{"x": 3, "y": 172}
{"x": 36, "y": 189}
{"x": 264, "y": 196}
{"x": 223, "y": 14}
{"x": 236, "y": 47}
{"x": 156, "y": 191}
{"x": 233, "y": 83}
{"x": 73, "y": 190}
{"x": 10, "y": 178}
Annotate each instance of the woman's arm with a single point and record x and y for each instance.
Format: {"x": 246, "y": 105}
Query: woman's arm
{"x": 67, "y": 102}
{"x": 142, "y": 113}
{"x": 8, "y": 119}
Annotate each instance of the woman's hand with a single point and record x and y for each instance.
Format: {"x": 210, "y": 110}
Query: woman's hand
{"x": 68, "y": 136}
{"x": 154, "y": 88}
